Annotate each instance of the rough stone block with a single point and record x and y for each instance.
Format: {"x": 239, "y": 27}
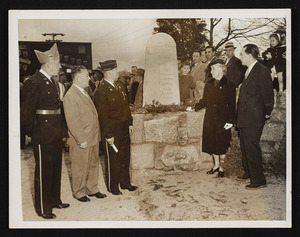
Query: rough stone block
{"x": 278, "y": 115}
{"x": 162, "y": 128}
{"x": 281, "y": 101}
{"x": 138, "y": 132}
{"x": 267, "y": 147}
{"x": 267, "y": 158}
{"x": 154, "y": 130}
{"x": 195, "y": 123}
{"x": 142, "y": 156}
{"x": 273, "y": 132}
{"x": 170, "y": 127}
{"x": 183, "y": 158}
{"x": 182, "y": 120}
{"x": 159, "y": 165}
{"x": 183, "y": 137}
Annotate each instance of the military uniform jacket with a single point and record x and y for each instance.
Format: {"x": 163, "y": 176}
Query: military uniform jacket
{"x": 112, "y": 106}
{"x": 256, "y": 98}
{"x": 39, "y": 92}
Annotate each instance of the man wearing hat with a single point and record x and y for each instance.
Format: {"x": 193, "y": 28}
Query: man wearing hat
{"x": 235, "y": 70}
{"x": 42, "y": 120}
{"x": 115, "y": 121}
{"x": 95, "y": 78}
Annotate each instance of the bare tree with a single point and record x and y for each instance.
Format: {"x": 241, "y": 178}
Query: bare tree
{"x": 221, "y": 30}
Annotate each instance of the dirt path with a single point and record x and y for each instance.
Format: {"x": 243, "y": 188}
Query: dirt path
{"x": 164, "y": 196}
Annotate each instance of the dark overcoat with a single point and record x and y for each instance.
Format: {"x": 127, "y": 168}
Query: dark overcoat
{"x": 219, "y": 102}
{"x": 235, "y": 71}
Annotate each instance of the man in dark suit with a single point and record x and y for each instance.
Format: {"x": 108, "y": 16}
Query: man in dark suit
{"x": 115, "y": 120}
{"x": 210, "y": 52}
{"x": 255, "y": 105}
{"x": 42, "y": 120}
{"x": 235, "y": 70}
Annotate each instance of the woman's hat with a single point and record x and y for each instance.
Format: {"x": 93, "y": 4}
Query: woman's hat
{"x": 217, "y": 61}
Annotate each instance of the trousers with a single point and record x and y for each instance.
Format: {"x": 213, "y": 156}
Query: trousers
{"x": 85, "y": 170}
{"x": 117, "y": 163}
{"x": 251, "y": 154}
{"x": 47, "y": 176}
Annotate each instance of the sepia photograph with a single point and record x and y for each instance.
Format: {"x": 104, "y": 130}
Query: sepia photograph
{"x": 150, "y": 118}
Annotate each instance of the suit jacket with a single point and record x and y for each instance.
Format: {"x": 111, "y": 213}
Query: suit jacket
{"x": 208, "y": 75}
{"x": 81, "y": 117}
{"x": 112, "y": 107}
{"x": 235, "y": 71}
{"x": 198, "y": 72}
{"x": 39, "y": 92}
{"x": 256, "y": 98}
{"x": 139, "y": 95}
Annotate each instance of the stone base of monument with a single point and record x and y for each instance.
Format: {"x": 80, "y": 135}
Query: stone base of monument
{"x": 168, "y": 141}
{"x": 273, "y": 139}
{"x": 173, "y": 141}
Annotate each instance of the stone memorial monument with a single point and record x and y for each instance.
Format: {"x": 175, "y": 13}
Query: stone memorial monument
{"x": 161, "y": 73}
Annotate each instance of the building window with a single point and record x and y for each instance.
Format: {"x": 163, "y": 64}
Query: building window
{"x": 81, "y": 49}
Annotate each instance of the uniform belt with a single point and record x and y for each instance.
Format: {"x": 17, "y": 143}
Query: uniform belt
{"x": 46, "y": 111}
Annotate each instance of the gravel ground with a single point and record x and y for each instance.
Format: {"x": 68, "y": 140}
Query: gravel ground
{"x": 167, "y": 196}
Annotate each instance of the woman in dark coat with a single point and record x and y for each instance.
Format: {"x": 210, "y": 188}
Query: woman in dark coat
{"x": 219, "y": 101}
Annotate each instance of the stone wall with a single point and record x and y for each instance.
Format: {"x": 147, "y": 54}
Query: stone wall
{"x": 273, "y": 136}
{"x": 171, "y": 141}
{"x": 167, "y": 141}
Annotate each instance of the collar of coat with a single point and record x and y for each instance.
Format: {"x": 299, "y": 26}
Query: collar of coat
{"x": 222, "y": 82}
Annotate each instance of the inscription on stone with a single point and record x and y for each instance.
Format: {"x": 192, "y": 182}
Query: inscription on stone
{"x": 161, "y": 73}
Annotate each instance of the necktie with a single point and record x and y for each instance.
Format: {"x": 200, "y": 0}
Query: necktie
{"x": 56, "y": 85}
{"x": 246, "y": 73}
{"x": 85, "y": 93}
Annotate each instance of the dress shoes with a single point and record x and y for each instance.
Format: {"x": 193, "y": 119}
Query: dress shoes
{"x": 117, "y": 193}
{"x": 221, "y": 174}
{"x": 243, "y": 177}
{"x": 47, "y": 215}
{"x": 212, "y": 171}
{"x": 84, "y": 199}
{"x": 62, "y": 205}
{"x": 131, "y": 188}
{"x": 255, "y": 186}
{"x": 98, "y": 195}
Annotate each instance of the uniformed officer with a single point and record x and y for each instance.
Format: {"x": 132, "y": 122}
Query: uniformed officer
{"x": 42, "y": 121}
{"x": 115, "y": 120}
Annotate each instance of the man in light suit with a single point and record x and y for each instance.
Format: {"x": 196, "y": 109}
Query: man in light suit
{"x": 255, "y": 105}
{"x": 84, "y": 137}
{"x": 198, "y": 73}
